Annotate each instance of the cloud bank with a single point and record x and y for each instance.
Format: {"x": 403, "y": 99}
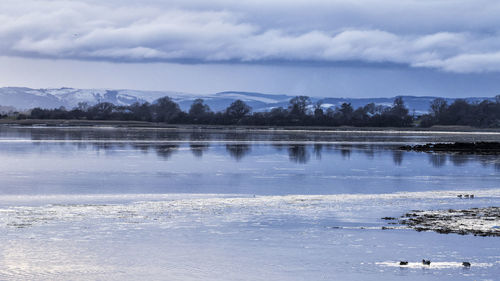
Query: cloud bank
{"x": 454, "y": 36}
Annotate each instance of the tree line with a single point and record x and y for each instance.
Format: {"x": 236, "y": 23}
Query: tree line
{"x": 300, "y": 112}
{"x": 485, "y": 114}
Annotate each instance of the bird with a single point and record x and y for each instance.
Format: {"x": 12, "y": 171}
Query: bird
{"x": 403, "y": 263}
{"x": 466, "y": 195}
{"x": 459, "y": 195}
{"x": 426, "y": 262}
{"x": 466, "y": 264}
{"x": 471, "y": 196}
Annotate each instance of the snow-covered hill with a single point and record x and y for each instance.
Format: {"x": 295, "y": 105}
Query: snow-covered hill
{"x": 26, "y": 98}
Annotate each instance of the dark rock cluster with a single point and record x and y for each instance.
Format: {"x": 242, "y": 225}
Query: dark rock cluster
{"x": 475, "y": 221}
{"x": 457, "y": 147}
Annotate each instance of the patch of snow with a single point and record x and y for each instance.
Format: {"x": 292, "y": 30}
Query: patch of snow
{"x": 249, "y": 98}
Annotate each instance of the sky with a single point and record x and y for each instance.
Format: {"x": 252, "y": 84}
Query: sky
{"x": 337, "y": 48}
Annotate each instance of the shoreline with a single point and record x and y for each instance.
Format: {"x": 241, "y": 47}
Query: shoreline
{"x": 151, "y": 125}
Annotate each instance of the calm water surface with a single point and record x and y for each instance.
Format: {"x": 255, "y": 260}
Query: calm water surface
{"x": 110, "y": 203}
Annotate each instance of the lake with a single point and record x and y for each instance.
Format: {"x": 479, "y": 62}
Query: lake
{"x": 109, "y": 203}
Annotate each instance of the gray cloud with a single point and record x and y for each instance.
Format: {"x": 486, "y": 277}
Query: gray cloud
{"x": 454, "y": 36}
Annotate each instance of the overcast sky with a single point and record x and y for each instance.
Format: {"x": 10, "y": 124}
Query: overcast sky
{"x": 354, "y": 48}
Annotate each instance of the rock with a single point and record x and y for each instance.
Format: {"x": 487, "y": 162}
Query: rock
{"x": 457, "y": 147}
{"x": 475, "y": 221}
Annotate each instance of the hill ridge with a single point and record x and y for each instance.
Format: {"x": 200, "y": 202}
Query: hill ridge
{"x": 23, "y": 98}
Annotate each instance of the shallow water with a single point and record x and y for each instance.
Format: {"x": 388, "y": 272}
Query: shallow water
{"x": 114, "y": 204}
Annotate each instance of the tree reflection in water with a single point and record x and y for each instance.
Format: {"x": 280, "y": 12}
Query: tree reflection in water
{"x": 437, "y": 159}
{"x": 397, "y": 157}
{"x": 298, "y": 153}
{"x": 166, "y": 151}
{"x": 238, "y": 151}
{"x": 345, "y": 151}
{"x": 317, "y": 148}
{"x": 198, "y": 148}
{"x": 459, "y": 159}
{"x": 164, "y": 143}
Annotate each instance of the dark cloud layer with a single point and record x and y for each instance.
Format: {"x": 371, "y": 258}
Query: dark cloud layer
{"x": 455, "y": 36}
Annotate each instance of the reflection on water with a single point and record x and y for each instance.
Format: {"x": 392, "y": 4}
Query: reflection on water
{"x": 83, "y": 159}
{"x": 437, "y": 159}
{"x": 165, "y": 151}
{"x": 317, "y": 148}
{"x": 397, "y": 157}
{"x": 198, "y": 148}
{"x": 199, "y": 142}
{"x": 300, "y": 146}
{"x": 459, "y": 160}
{"x": 345, "y": 150}
{"x": 297, "y": 153}
{"x": 238, "y": 151}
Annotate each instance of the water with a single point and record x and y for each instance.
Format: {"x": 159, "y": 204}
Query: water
{"x": 115, "y": 204}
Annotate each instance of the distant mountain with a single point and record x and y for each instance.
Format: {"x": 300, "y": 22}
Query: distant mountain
{"x": 26, "y": 98}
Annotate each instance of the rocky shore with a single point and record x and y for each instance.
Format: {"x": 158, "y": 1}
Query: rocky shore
{"x": 474, "y": 221}
{"x": 457, "y": 147}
